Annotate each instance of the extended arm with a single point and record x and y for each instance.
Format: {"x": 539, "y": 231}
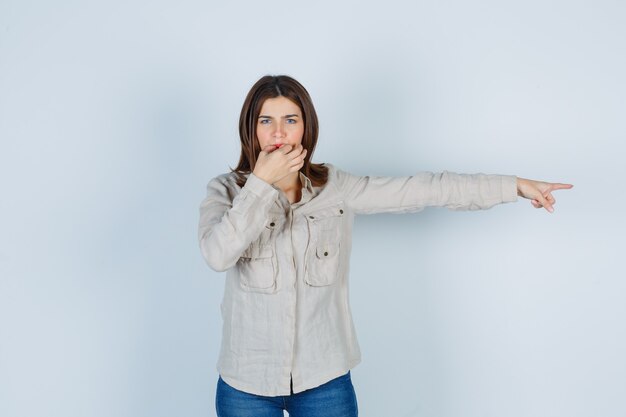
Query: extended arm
{"x": 366, "y": 194}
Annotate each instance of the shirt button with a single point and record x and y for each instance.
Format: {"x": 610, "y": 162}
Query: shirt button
{"x": 311, "y": 217}
{"x": 272, "y": 224}
{"x": 340, "y": 211}
{"x": 325, "y": 253}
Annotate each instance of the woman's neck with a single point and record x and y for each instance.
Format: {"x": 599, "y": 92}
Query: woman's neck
{"x": 291, "y": 187}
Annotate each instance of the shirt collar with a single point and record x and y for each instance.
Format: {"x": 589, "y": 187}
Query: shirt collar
{"x": 308, "y": 192}
{"x": 306, "y": 183}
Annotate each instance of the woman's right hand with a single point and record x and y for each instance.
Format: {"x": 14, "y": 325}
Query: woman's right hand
{"x": 273, "y": 163}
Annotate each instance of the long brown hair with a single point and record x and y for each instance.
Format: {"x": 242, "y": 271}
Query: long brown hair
{"x": 272, "y": 86}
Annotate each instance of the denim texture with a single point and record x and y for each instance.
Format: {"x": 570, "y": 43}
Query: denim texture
{"x": 336, "y": 398}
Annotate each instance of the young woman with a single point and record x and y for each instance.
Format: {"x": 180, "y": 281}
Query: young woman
{"x": 281, "y": 227}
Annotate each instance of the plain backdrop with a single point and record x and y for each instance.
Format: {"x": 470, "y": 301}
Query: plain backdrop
{"x": 114, "y": 115}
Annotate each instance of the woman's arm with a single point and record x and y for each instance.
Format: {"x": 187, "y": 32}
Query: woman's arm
{"x": 229, "y": 223}
{"x": 367, "y": 194}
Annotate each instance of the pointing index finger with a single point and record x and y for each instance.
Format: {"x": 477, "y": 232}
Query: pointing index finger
{"x": 559, "y": 186}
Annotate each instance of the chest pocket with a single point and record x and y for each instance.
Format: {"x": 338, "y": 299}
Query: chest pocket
{"x": 322, "y": 256}
{"x": 257, "y": 269}
{"x": 258, "y": 265}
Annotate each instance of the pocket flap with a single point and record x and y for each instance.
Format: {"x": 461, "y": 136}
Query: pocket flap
{"x": 327, "y": 250}
{"x": 258, "y": 252}
{"x": 336, "y": 210}
{"x": 257, "y": 272}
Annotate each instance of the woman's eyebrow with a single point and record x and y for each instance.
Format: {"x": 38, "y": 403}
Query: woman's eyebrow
{"x": 285, "y": 116}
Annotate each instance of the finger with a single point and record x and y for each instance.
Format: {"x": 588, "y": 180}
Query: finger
{"x": 270, "y": 149}
{"x": 295, "y": 155}
{"x": 559, "y": 186}
{"x": 545, "y": 203}
{"x": 294, "y": 149}
{"x": 535, "y": 203}
{"x": 302, "y": 154}
{"x": 299, "y": 160}
{"x": 550, "y": 198}
{"x": 296, "y": 167}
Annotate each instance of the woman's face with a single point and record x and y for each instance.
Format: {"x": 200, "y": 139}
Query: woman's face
{"x": 279, "y": 123}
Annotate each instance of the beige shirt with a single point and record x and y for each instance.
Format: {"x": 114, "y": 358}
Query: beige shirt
{"x": 285, "y": 310}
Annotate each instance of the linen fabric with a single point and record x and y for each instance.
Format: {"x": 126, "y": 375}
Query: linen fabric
{"x": 286, "y": 312}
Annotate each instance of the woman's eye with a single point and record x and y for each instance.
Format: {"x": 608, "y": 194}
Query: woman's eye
{"x": 291, "y": 121}
{"x": 264, "y": 121}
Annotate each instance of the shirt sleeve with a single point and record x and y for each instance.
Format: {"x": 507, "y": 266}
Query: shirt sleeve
{"x": 368, "y": 195}
{"x": 229, "y": 225}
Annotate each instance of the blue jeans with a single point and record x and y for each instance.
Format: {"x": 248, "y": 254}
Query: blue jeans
{"x": 336, "y": 398}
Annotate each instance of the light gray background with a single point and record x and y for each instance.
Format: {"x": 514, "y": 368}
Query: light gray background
{"x": 114, "y": 115}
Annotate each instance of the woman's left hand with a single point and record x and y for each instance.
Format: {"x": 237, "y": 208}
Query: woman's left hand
{"x": 539, "y": 192}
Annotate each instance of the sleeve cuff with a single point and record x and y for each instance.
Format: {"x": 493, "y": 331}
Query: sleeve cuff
{"x": 260, "y": 188}
{"x": 509, "y": 188}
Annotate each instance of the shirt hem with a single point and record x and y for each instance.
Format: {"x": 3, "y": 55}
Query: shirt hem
{"x": 313, "y": 383}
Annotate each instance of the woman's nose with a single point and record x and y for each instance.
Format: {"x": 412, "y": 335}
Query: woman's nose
{"x": 279, "y": 132}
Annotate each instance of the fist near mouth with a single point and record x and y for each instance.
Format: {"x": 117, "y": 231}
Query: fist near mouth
{"x": 272, "y": 166}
